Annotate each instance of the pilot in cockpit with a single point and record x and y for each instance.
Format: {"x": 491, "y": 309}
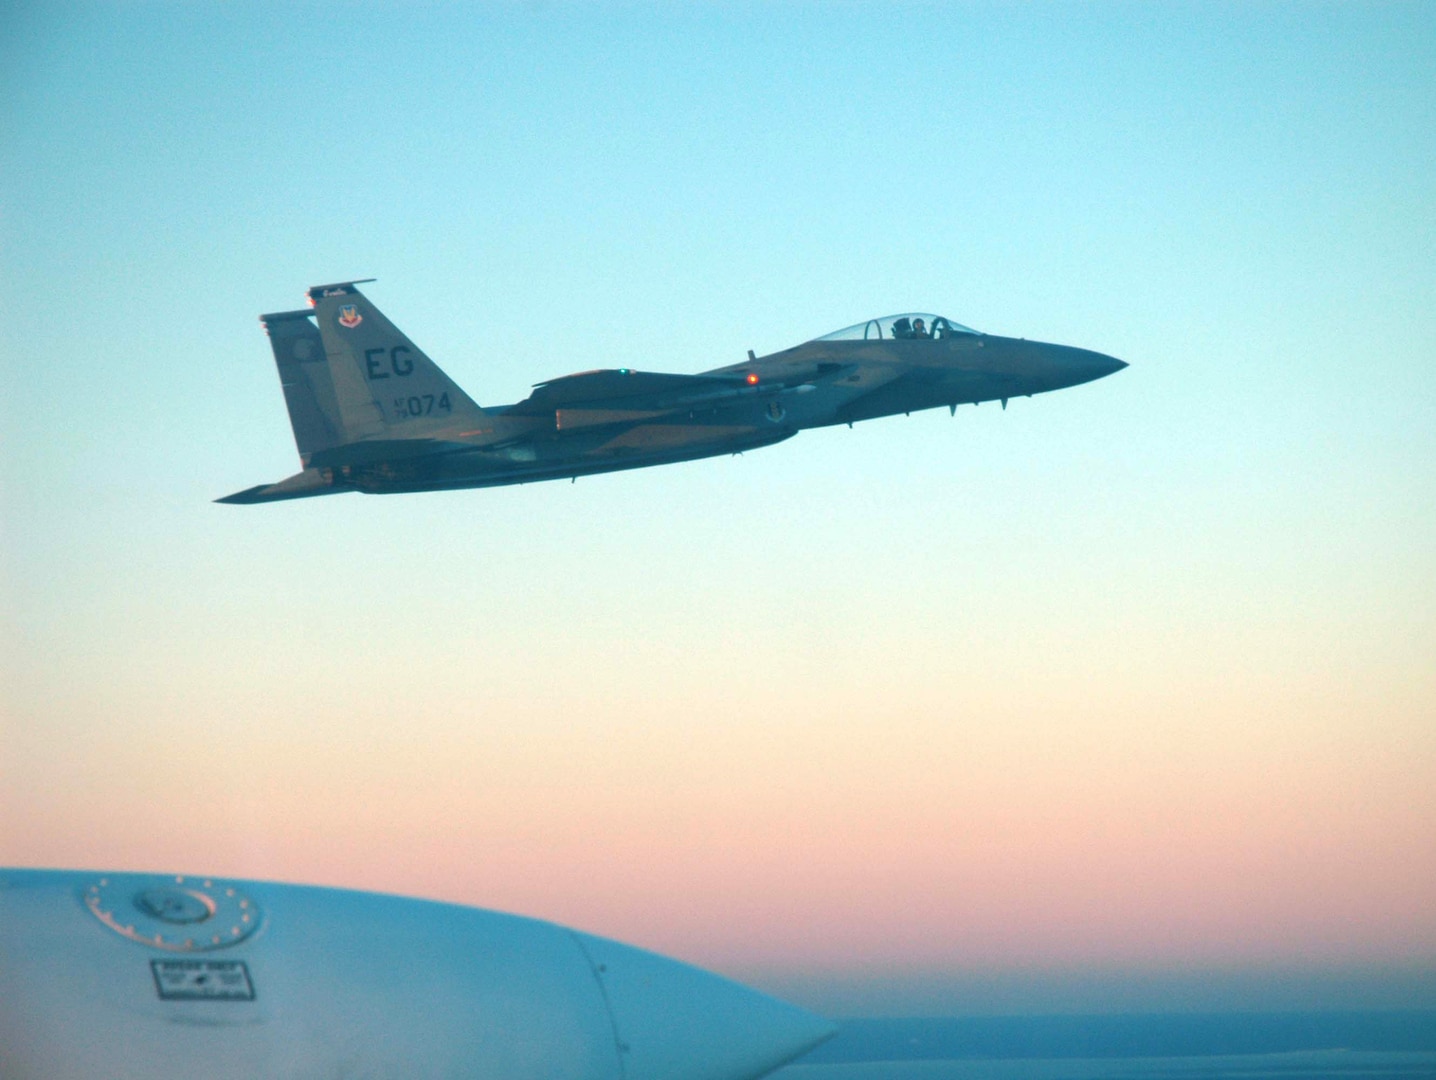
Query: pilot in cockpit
{"x": 919, "y": 329}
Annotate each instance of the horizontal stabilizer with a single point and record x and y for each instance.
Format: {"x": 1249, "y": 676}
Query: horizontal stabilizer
{"x": 299, "y": 486}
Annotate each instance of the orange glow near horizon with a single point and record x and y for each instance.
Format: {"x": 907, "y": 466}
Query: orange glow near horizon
{"x": 921, "y": 837}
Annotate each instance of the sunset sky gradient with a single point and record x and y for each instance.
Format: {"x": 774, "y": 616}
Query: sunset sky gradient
{"x": 1124, "y": 697}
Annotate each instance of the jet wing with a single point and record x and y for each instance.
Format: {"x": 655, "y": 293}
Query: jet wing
{"x": 618, "y": 395}
{"x": 622, "y": 389}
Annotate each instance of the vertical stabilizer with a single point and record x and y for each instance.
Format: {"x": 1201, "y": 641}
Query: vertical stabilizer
{"x": 308, "y": 388}
{"x": 385, "y": 387}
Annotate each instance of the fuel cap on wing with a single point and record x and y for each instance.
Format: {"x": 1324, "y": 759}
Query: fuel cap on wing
{"x": 178, "y": 914}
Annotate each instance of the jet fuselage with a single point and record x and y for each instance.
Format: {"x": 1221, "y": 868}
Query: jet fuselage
{"x": 372, "y": 413}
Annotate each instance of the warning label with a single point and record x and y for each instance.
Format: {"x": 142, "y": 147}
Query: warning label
{"x": 202, "y": 980}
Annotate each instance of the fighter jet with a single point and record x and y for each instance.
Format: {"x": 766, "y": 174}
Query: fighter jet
{"x": 140, "y": 975}
{"x": 372, "y": 413}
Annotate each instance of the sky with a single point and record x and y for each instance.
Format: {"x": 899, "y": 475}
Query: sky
{"x": 1121, "y": 698}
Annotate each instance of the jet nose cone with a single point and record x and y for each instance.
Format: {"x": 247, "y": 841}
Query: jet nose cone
{"x": 1097, "y": 364}
{"x": 1084, "y": 365}
{"x": 675, "y": 1022}
{"x": 1053, "y": 367}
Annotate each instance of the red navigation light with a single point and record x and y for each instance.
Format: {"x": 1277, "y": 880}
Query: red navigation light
{"x": 752, "y": 378}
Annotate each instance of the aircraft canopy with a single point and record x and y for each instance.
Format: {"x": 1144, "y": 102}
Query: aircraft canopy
{"x": 910, "y": 325}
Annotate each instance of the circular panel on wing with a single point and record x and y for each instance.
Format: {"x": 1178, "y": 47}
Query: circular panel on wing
{"x": 177, "y": 914}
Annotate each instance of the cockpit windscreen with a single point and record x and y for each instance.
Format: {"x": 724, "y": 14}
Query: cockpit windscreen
{"x": 914, "y": 325}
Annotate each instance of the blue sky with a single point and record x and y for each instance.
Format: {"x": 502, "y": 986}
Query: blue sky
{"x": 1196, "y": 594}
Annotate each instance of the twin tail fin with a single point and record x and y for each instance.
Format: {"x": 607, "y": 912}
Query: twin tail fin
{"x": 357, "y": 389}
